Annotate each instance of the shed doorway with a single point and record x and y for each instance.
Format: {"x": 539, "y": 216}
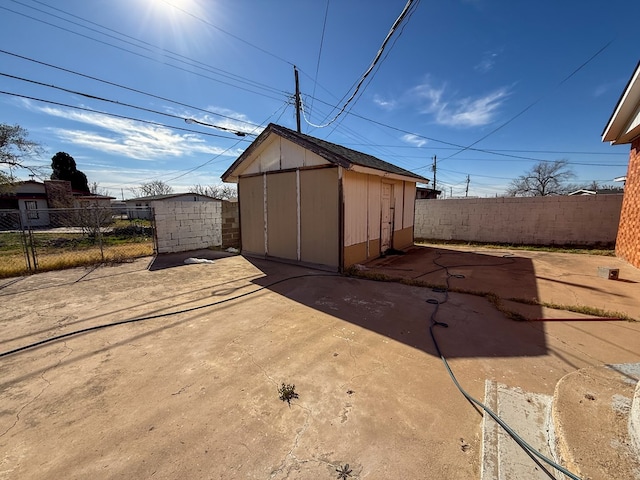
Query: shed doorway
{"x": 386, "y": 217}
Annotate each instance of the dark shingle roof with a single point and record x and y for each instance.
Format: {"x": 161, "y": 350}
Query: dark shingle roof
{"x": 331, "y": 152}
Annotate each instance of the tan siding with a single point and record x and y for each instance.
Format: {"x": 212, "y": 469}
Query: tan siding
{"x": 355, "y": 254}
{"x": 313, "y": 160}
{"x": 270, "y": 157}
{"x": 409, "y": 202}
{"x": 319, "y": 216}
{"x": 398, "y": 197}
{"x": 292, "y": 155}
{"x": 252, "y": 214}
{"x": 374, "y": 210}
{"x": 282, "y": 231}
{"x": 403, "y": 238}
{"x": 355, "y": 208}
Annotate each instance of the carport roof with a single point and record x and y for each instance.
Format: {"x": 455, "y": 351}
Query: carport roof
{"x": 336, "y": 154}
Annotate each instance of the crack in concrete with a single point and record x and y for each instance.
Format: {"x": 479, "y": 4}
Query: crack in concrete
{"x": 290, "y": 455}
{"x": 48, "y": 384}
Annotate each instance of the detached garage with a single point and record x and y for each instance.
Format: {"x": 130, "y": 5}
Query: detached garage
{"x": 307, "y": 200}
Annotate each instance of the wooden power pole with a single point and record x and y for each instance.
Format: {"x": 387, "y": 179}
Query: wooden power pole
{"x": 295, "y": 73}
{"x": 433, "y": 167}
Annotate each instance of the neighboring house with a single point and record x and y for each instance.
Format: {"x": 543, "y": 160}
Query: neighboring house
{"x": 426, "y": 193}
{"x": 34, "y": 199}
{"x": 139, "y": 207}
{"x": 624, "y": 128}
{"x": 30, "y": 197}
{"x": 310, "y": 201}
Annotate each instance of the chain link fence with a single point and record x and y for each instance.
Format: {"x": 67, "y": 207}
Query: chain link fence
{"x": 51, "y": 239}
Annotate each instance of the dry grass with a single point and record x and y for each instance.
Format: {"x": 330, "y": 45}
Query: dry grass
{"x": 13, "y": 264}
{"x": 493, "y": 298}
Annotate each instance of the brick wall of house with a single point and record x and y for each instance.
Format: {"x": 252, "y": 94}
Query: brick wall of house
{"x": 557, "y": 220}
{"x": 184, "y": 226}
{"x": 628, "y": 242}
{"x": 230, "y": 225}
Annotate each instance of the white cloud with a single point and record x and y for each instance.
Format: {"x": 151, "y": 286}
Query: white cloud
{"x": 414, "y": 140}
{"x": 384, "y": 103}
{"x": 129, "y": 138}
{"x": 487, "y": 63}
{"x": 238, "y": 122}
{"x": 465, "y": 112}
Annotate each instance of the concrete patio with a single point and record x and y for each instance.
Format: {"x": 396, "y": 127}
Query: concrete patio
{"x": 188, "y": 387}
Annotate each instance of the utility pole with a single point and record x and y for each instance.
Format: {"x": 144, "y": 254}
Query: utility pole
{"x": 295, "y": 73}
{"x": 451, "y": 192}
{"x": 433, "y": 167}
{"x": 466, "y": 192}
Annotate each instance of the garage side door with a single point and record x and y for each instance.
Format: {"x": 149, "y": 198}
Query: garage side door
{"x": 282, "y": 216}
{"x": 252, "y": 214}
{"x": 319, "y": 220}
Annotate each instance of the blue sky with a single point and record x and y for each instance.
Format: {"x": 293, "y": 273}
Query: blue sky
{"x": 527, "y": 81}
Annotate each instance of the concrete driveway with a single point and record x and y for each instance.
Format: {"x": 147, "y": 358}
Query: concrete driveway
{"x": 192, "y": 391}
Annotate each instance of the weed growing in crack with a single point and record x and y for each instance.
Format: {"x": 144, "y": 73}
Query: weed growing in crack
{"x": 344, "y": 472}
{"x": 287, "y": 393}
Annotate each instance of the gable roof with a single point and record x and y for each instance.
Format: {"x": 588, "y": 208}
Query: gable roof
{"x": 333, "y": 153}
{"x": 624, "y": 124}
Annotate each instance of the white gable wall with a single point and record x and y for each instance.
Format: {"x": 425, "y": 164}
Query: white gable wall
{"x": 278, "y": 153}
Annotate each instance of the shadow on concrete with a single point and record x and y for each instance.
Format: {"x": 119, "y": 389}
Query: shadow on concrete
{"x": 171, "y": 260}
{"x": 401, "y": 313}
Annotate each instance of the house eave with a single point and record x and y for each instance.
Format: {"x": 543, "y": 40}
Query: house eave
{"x": 389, "y": 175}
{"x": 624, "y": 124}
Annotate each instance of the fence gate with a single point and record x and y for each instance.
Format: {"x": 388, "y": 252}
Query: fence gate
{"x": 15, "y": 255}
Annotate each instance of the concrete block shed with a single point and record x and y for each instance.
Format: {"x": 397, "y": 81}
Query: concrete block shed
{"x": 310, "y": 201}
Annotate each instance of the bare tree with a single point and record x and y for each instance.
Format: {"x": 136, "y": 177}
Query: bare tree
{"x": 223, "y": 191}
{"x": 544, "y": 178}
{"x": 96, "y": 189}
{"x": 15, "y": 147}
{"x": 153, "y": 187}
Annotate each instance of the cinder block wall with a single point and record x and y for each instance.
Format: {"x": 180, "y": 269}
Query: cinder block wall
{"x": 628, "y": 243}
{"x": 557, "y": 220}
{"x": 230, "y": 225}
{"x": 184, "y": 226}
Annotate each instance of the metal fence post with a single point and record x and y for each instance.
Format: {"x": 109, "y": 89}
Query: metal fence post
{"x": 99, "y": 233}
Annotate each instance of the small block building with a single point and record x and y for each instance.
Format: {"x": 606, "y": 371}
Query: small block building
{"x": 309, "y": 201}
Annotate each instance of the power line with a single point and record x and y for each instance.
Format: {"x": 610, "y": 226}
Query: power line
{"x": 210, "y": 68}
{"x": 534, "y": 102}
{"x": 146, "y": 56}
{"x": 246, "y": 42}
{"x": 376, "y": 59}
{"x": 113, "y": 115}
{"x": 148, "y": 110}
{"x": 126, "y": 88}
{"x": 324, "y": 26}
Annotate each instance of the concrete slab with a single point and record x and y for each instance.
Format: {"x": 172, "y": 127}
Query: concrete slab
{"x": 192, "y": 391}
{"x": 529, "y": 415}
{"x": 591, "y": 414}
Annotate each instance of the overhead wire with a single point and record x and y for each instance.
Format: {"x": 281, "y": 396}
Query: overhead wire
{"x": 234, "y": 85}
{"x": 116, "y": 102}
{"x": 324, "y": 26}
{"x": 375, "y": 61}
{"x": 170, "y": 54}
{"x": 532, "y": 104}
{"x": 141, "y": 92}
{"x": 28, "y": 97}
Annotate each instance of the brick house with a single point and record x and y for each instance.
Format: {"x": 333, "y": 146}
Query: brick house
{"x": 624, "y": 128}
